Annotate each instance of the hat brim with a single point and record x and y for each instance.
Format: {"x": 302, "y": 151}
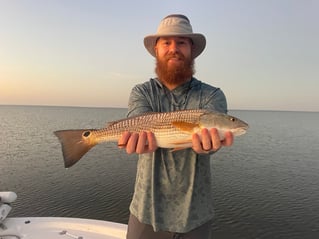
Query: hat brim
{"x": 199, "y": 42}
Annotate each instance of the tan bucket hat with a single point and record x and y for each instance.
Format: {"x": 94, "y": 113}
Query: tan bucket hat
{"x": 176, "y": 25}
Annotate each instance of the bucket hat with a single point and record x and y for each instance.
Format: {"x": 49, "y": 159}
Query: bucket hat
{"x": 176, "y": 25}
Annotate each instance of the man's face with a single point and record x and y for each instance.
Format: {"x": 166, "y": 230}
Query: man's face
{"x": 174, "y": 59}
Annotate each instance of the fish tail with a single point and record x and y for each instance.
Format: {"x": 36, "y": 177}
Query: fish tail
{"x": 75, "y": 143}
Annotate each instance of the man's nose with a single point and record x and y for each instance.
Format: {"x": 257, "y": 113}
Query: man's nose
{"x": 173, "y": 47}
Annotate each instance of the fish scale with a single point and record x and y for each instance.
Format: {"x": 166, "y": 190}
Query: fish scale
{"x": 171, "y": 130}
{"x": 156, "y": 123}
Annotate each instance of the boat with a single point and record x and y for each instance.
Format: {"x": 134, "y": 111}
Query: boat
{"x": 54, "y": 227}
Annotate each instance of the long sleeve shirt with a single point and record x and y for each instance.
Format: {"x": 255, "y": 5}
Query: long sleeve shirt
{"x": 173, "y": 190}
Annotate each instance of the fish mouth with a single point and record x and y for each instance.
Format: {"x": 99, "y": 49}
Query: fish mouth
{"x": 241, "y": 130}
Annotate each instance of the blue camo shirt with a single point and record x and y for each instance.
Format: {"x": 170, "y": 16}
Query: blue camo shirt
{"x": 173, "y": 190}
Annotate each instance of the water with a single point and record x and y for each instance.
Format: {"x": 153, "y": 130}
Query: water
{"x": 265, "y": 185}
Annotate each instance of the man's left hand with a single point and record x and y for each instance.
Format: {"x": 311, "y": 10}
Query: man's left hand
{"x": 210, "y": 141}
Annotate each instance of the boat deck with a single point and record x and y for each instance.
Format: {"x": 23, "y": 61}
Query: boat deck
{"x": 60, "y": 228}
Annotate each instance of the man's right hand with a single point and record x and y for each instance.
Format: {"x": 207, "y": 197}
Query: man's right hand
{"x": 140, "y": 143}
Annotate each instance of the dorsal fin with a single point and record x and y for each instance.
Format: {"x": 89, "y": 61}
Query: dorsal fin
{"x": 124, "y": 119}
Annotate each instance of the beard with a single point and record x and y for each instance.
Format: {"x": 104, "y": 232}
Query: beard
{"x": 174, "y": 74}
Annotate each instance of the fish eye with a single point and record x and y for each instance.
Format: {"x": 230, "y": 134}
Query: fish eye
{"x": 86, "y": 133}
{"x": 232, "y": 119}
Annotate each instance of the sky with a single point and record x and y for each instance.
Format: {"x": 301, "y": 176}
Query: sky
{"x": 263, "y": 54}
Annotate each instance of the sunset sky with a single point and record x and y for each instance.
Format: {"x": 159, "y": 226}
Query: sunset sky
{"x": 263, "y": 54}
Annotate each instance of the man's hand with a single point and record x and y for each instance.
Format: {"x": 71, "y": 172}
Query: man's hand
{"x": 140, "y": 143}
{"x": 210, "y": 141}
{"x": 145, "y": 142}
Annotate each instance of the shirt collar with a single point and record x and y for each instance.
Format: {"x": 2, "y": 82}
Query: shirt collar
{"x": 187, "y": 85}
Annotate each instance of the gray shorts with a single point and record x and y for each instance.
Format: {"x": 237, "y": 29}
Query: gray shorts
{"x": 138, "y": 230}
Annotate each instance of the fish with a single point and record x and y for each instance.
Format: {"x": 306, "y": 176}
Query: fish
{"x": 172, "y": 130}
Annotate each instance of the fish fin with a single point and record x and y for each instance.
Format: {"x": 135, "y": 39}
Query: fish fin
{"x": 182, "y": 142}
{"x": 177, "y": 149}
{"x": 75, "y": 143}
{"x": 185, "y": 126}
{"x": 180, "y": 145}
{"x": 110, "y": 123}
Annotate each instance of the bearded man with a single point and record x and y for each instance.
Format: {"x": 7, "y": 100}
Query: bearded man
{"x": 173, "y": 191}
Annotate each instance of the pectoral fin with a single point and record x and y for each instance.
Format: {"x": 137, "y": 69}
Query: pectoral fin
{"x": 185, "y": 126}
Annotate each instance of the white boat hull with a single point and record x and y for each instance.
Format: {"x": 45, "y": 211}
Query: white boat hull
{"x": 60, "y": 228}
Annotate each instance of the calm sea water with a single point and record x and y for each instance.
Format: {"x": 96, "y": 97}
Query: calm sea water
{"x": 266, "y": 185}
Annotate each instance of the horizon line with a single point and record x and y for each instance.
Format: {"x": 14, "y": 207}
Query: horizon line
{"x": 120, "y": 107}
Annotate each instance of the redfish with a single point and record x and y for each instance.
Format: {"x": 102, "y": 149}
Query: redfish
{"x": 171, "y": 129}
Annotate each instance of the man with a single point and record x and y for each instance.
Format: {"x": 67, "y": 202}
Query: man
{"x": 173, "y": 197}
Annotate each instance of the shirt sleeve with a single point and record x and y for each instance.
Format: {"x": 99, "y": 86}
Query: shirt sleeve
{"x": 138, "y": 102}
{"x": 214, "y": 100}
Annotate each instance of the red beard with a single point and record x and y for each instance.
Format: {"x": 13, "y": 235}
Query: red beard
{"x": 174, "y": 74}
